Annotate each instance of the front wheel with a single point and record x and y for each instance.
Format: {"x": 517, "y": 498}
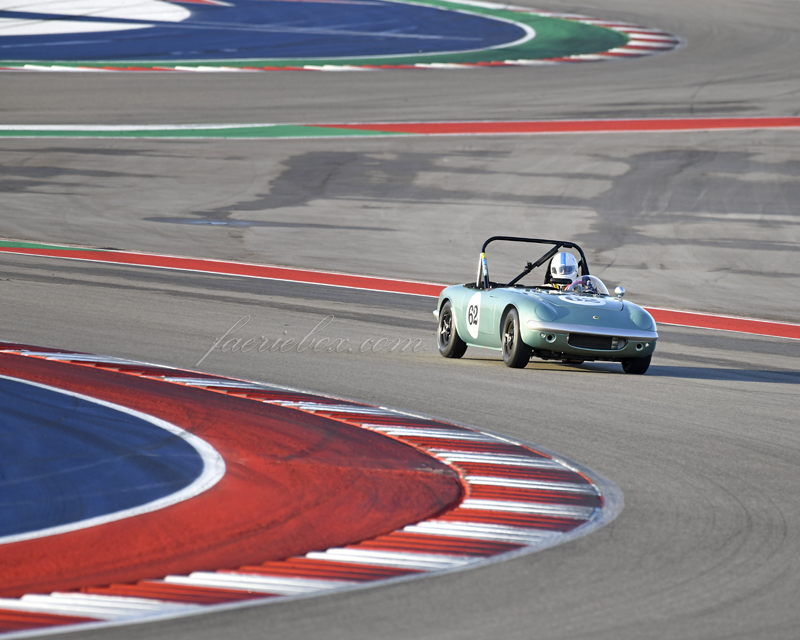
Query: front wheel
{"x": 516, "y": 353}
{"x": 450, "y": 344}
{"x": 636, "y": 365}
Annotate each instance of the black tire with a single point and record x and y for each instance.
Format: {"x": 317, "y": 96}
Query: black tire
{"x": 516, "y": 354}
{"x": 450, "y": 344}
{"x": 636, "y": 365}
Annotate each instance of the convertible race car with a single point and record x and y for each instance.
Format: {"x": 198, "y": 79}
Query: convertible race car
{"x": 570, "y": 317}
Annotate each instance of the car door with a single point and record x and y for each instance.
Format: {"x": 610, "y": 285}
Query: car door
{"x": 472, "y": 316}
{"x": 493, "y": 304}
{"x": 475, "y": 318}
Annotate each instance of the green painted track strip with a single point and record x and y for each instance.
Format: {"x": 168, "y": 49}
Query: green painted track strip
{"x": 275, "y": 131}
{"x": 11, "y": 244}
{"x": 224, "y": 131}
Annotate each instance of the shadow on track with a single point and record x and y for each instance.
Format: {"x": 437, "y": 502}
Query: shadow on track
{"x": 676, "y": 371}
{"x": 659, "y": 371}
{"x": 709, "y": 373}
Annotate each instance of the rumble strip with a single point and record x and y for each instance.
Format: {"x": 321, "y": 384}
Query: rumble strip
{"x": 516, "y": 499}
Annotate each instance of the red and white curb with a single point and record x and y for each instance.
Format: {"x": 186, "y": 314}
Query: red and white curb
{"x": 642, "y": 41}
{"x": 516, "y": 499}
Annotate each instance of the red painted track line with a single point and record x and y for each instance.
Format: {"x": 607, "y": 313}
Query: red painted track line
{"x": 388, "y": 285}
{"x": 726, "y": 323}
{"x": 240, "y": 269}
{"x": 572, "y": 126}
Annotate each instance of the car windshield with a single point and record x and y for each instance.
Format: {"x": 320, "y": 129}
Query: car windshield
{"x": 588, "y": 285}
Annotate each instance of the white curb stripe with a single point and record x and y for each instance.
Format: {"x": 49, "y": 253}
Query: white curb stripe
{"x": 479, "y": 531}
{"x": 649, "y": 44}
{"x": 542, "y": 485}
{"x": 76, "y": 357}
{"x": 536, "y": 508}
{"x": 215, "y": 382}
{"x": 332, "y": 408}
{"x": 447, "y": 434}
{"x": 423, "y": 561}
{"x": 93, "y": 606}
{"x": 264, "y": 584}
{"x": 497, "y": 458}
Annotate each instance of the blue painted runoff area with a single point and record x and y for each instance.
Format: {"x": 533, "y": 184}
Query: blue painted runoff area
{"x": 262, "y": 29}
{"x": 64, "y": 459}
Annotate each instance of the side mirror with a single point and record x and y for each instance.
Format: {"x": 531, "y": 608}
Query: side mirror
{"x": 619, "y": 291}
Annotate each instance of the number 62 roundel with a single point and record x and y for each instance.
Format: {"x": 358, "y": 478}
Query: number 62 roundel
{"x": 473, "y": 312}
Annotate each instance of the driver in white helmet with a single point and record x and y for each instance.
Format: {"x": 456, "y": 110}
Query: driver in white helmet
{"x": 563, "y": 270}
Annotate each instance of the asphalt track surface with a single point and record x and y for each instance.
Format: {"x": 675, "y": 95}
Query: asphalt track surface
{"x": 705, "y": 446}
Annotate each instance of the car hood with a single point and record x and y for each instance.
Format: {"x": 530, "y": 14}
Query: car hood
{"x": 576, "y": 302}
{"x": 586, "y": 313}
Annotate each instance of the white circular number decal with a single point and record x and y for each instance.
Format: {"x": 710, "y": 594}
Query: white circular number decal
{"x": 584, "y": 300}
{"x": 474, "y": 315}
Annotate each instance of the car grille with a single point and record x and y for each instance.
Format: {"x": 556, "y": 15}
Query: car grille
{"x": 589, "y": 341}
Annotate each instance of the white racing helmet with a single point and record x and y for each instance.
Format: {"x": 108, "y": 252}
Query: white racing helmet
{"x": 563, "y": 268}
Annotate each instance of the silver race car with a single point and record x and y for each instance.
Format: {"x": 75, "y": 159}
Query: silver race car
{"x": 569, "y": 316}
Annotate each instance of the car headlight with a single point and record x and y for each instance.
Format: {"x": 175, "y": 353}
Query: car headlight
{"x": 641, "y": 318}
{"x": 545, "y": 312}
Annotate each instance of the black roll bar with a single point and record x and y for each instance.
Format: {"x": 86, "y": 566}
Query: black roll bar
{"x": 558, "y": 244}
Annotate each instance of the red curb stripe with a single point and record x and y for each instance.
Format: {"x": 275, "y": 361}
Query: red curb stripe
{"x": 26, "y": 620}
{"x": 423, "y": 543}
{"x": 572, "y": 126}
{"x": 691, "y": 319}
{"x": 326, "y": 570}
{"x": 726, "y": 323}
